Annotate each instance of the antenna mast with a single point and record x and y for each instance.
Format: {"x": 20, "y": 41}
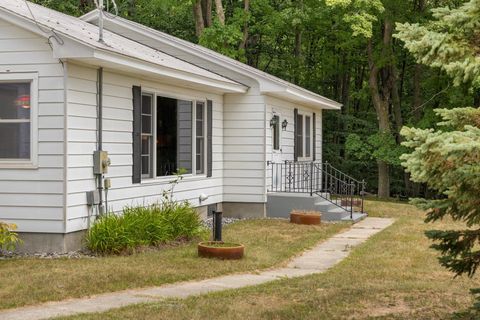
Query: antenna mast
{"x": 99, "y": 4}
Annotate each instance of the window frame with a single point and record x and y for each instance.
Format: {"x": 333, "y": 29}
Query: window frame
{"x": 304, "y": 115}
{"x": 155, "y": 93}
{"x": 152, "y": 135}
{"x": 32, "y": 79}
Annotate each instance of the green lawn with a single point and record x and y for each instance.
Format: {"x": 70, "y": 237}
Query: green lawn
{"x": 394, "y": 275}
{"x": 268, "y": 243}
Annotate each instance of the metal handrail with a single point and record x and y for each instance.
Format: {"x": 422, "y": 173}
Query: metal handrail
{"x": 317, "y": 178}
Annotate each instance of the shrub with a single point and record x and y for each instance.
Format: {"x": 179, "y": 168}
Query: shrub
{"x": 8, "y": 238}
{"x": 144, "y": 226}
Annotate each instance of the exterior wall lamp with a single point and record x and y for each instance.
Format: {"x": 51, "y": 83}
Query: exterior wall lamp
{"x": 273, "y": 121}
{"x": 284, "y": 124}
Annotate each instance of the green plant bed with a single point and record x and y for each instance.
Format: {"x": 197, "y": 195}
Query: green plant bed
{"x": 139, "y": 227}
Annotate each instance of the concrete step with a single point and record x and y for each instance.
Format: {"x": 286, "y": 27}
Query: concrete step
{"x": 281, "y": 204}
{"x": 356, "y": 217}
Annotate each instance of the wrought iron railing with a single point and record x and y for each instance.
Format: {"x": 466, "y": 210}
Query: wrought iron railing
{"x": 318, "y": 178}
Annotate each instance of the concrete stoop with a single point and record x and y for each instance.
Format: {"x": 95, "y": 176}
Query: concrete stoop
{"x": 279, "y": 205}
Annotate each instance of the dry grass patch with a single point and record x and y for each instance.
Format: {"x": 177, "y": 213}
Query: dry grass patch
{"x": 268, "y": 243}
{"x": 394, "y": 275}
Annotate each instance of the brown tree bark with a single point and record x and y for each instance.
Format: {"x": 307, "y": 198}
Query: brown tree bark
{"x": 198, "y": 14}
{"x": 207, "y": 12}
{"x": 246, "y": 9}
{"x": 417, "y": 93}
{"x": 220, "y": 11}
{"x": 381, "y": 99}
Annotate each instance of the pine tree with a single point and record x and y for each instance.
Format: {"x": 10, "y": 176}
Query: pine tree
{"x": 447, "y": 158}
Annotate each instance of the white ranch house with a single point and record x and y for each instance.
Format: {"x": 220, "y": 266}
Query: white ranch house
{"x": 154, "y": 103}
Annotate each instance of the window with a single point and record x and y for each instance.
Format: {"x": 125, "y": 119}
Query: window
{"x": 200, "y": 134}
{"x": 147, "y": 135}
{"x": 299, "y": 135}
{"x": 173, "y": 136}
{"x": 303, "y": 136}
{"x": 17, "y": 114}
{"x": 276, "y": 132}
{"x": 307, "y": 136}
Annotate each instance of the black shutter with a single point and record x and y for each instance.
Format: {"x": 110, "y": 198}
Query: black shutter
{"x": 209, "y": 137}
{"x": 137, "y": 135}
{"x": 295, "y": 148}
{"x": 314, "y": 134}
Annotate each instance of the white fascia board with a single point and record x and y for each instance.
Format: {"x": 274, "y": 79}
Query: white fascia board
{"x": 301, "y": 99}
{"x": 164, "y": 72}
{"x": 314, "y": 99}
{"x": 20, "y": 22}
{"x": 70, "y": 48}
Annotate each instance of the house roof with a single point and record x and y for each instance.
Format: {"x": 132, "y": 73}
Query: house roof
{"x": 116, "y": 50}
{"x": 269, "y": 84}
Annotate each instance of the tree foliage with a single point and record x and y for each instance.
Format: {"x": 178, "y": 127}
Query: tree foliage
{"x": 451, "y": 42}
{"x": 447, "y": 158}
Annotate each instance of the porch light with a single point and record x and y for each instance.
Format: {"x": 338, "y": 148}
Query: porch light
{"x": 273, "y": 121}
{"x": 284, "y": 124}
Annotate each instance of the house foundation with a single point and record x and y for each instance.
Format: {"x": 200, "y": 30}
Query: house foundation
{"x": 242, "y": 210}
{"x": 33, "y": 242}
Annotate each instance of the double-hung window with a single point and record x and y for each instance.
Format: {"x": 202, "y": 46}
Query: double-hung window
{"x": 304, "y": 136}
{"x": 17, "y": 116}
{"x": 173, "y": 136}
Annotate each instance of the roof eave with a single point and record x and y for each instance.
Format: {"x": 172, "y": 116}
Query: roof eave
{"x": 126, "y": 63}
{"x": 266, "y": 83}
{"x": 313, "y": 101}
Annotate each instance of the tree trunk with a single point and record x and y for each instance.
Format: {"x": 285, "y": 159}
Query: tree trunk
{"x": 207, "y": 12}
{"x": 198, "y": 14}
{"x": 381, "y": 108}
{"x": 131, "y": 8}
{"x": 246, "y": 9}
{"x": 220, "y": 12}
{"x": 417, "y": 93}
{"x": 383, "y": 179}
{"x": 298, "y": 43}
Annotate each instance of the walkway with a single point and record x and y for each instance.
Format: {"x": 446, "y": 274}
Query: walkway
{"x": 317, "y": 260}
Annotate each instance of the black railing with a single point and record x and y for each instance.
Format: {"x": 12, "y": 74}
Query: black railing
{"x": 318, "y": 178}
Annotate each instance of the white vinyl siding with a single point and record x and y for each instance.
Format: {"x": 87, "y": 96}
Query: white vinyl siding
{"x": 117, "y": 140}
{"x": 285, "y": 108}
{"x": 244, "y": 122}
{"x": 33, "y": 197}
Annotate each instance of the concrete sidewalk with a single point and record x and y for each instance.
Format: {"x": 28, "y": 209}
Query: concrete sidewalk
{"x": 316, "y": 260}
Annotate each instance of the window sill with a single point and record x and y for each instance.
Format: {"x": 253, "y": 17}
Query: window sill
{"x": 167, "y": 179}
{"x": 18, "y": 165}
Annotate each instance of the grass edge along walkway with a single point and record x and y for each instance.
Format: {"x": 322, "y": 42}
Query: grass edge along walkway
{"x": 317, "y": 260}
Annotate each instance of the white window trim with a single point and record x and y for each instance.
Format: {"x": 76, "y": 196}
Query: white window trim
{"x": 308, "y": 114}
{"x": 153, "y": 124}
{"x": 31, "y": 163}
{"x": 188, "y": 176}
{"x": 279, "y": 150}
